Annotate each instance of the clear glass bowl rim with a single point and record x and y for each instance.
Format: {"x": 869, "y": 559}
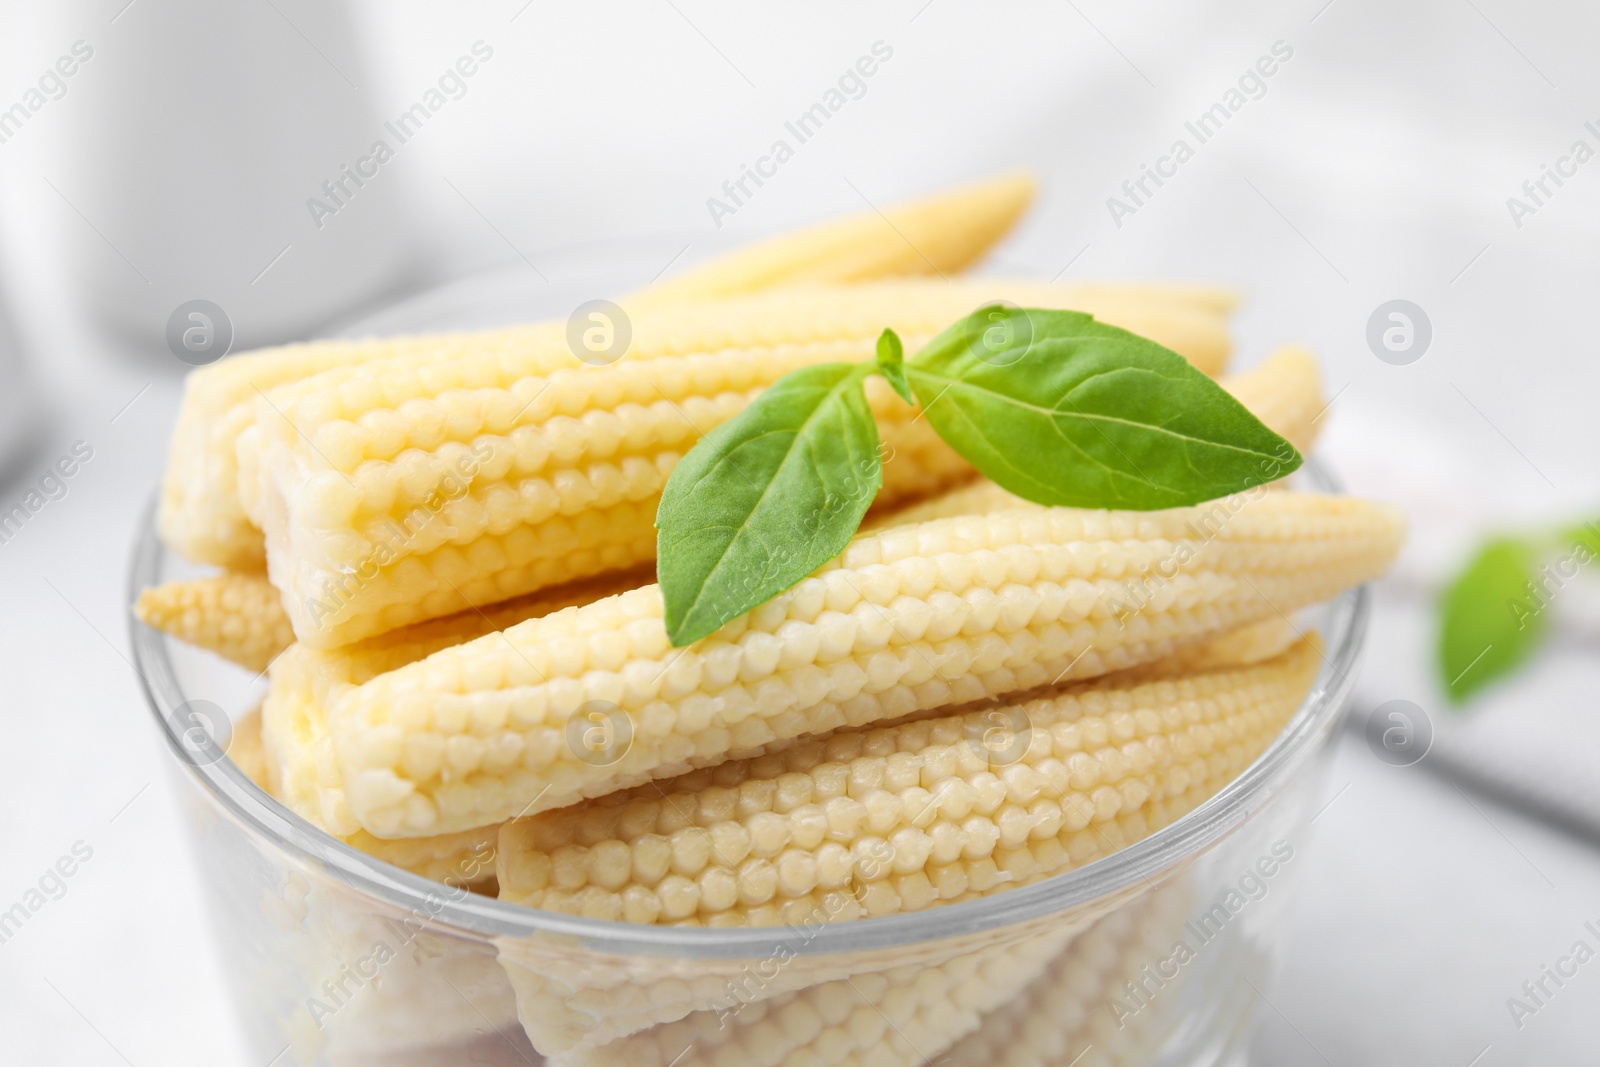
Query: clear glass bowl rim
{"x": 483, "y": 917}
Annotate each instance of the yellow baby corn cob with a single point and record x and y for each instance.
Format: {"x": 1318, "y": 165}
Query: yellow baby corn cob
{"x": 906, "y": 817}
{"x": 252, "y": 629}
{"x": 405, "y": 489}
{"x": 907, "y": 619}
{"x": 558, "y": 1016}
{"x": 571, "y": 997}
{"x": 1241, "y": 647}
{"x": 1285, "y": 392}
{"x": 298, "y": 758}
{"x": 295, "y": 753}
{"x": 1065, "y": 1016}
{"x": 352, "y": 984}
{"x": 940, "y": 234}
{"x": 894, "y": 1018}
{"x": 927, "y": 1006}
{"x": 238, "y": 615}
{"x": 200, "y": 514}
{"x": 244, "y": 747}
{"x": 574, "y": 997}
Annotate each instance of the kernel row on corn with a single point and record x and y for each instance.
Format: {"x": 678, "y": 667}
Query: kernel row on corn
{"x": 906, "y": 817}
{"x": 201, "y": 515}
{"x": 400, "y": 489}
{"x": 240, "y": 615}
{"x": 304, "y": 771}
{"x": 1066, "y": 1015}
{"x": 911, "y": 1015}
{"x": 298, "y": 757}
{"x": 907, "y": 619}
{"x": 979, "y": 693}
{"x": 892, "y": 1018}
{"x": 569, "y": 998}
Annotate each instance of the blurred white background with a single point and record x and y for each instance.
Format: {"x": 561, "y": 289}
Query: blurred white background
{"x": 178, "y": 159}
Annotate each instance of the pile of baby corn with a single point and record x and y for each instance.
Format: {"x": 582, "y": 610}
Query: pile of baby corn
{"x": 440, "y": 550}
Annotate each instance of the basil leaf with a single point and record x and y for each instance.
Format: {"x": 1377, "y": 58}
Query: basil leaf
{"x": 1063, "y": 410}
{"x": 766, "y": 498}
{"x": 1490, "y": 623}
{"x": 892, "y": 362}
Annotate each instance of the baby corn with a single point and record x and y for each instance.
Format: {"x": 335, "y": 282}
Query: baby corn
{"x": 298, "y": 759}
{"x": 940, "y": 234}
{"x": 201, "y": 517}
{"x": 244, "y": 747}
{"x": 201, "y": 513}
{"x": 905, "y": 817}
{"x": 891, "y": 1018}
{"x": 1066, "y": 1016}
{"x": 907, "y": 619}
{"x": 1064, "y": 1005}
{"x": 238, "y": 615}
{"x": 1285, "y": 392}
{"x": 411, "y": 488}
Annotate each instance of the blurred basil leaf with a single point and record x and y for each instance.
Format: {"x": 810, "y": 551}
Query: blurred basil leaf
{"x": 1490, "y": 624}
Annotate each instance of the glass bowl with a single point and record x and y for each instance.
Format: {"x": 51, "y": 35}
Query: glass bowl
{"x": 1152, "y": 955}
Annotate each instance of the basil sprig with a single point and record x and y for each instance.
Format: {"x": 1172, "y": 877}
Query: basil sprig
{"x": 1051, "y": 405}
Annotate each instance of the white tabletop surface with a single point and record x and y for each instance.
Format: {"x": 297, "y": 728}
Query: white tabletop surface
{"x": 1376, "y": 166}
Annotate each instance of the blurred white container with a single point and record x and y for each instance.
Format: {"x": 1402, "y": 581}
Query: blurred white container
{"x": 16, "y": 393}
{"x": 198, "y": 134}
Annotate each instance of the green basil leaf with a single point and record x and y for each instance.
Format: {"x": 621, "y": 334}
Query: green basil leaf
{"x": 892, "y": 362}
{"x": 1063, "y": 410}
{"x": 766, "y": 498}
{"x": 1490, "y": 623}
